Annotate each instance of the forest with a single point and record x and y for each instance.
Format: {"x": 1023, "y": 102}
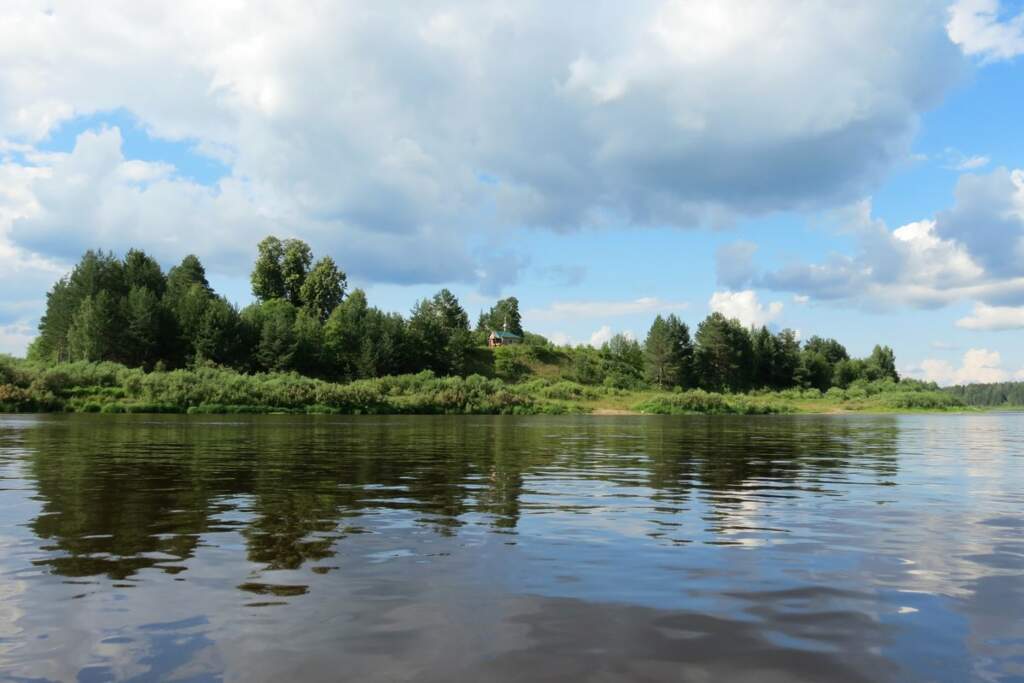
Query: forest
{"x": 305, "y": 320}
{"x": 121, "y": 329}
{"x": 993, "y": 394}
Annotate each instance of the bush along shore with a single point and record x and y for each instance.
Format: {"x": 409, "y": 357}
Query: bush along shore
{"x": 106, "y": 387}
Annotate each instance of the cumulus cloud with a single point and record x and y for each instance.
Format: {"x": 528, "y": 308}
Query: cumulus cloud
{"x": 93, "y": 196}
{"x": 601, "y": 335}
{"x": 745, "y": 307}
{"x": 563, "y": 310}
{"x": 988, "y": 219}
{"x": 15, "y": 338}
{"x": 993, "y": 318}
{"x": 24, "y": 276}
{"x": 977, "y": 366}
{"x": 973, "y": 251}
{"x": 604, "y": 334}
{"x": 423, "y": 118}
{"x": 401, "y": 138}
{"x": 977, "y": 27}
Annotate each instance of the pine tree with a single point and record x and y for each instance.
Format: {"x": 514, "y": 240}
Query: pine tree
{"x": 660, "y": 361}
{"x": 682, "y": 351}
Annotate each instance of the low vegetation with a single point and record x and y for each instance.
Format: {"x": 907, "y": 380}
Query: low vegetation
{"x": 107, "y": 387}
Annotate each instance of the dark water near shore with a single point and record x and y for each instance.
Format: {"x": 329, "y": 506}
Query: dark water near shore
{"x": 512, "y": 549}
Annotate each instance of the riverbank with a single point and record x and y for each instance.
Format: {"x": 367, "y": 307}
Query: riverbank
{"x": 111, "y": 388}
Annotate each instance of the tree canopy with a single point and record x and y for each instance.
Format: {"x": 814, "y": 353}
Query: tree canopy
{"x": 127, "y": 310}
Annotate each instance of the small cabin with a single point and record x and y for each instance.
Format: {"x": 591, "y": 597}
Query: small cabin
{"x": 503, "y": 339}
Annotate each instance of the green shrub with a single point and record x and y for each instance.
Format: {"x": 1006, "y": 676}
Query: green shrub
{"x": 703, "y": 402}
{"x": 925, "y": 400}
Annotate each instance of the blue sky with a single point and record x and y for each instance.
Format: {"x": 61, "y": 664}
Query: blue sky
{"x": 843, "y": 171}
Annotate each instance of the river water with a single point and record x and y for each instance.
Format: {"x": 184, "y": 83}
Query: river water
{"x": 831, "y": 548}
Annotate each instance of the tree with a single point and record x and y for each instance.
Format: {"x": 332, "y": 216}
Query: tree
{"x": 323, "y": 289}
{"x": 61, "y": 306}
{"x": 831, "y": 349}
{"x": 846, "y": 372}
{"x": 276, "y": 322}
{"x": 508, "y": 363}
{"x": 881, "y": 364}
{"x": 308, "y": 355}
{"x": 267, "y": 277}
{"x": 623, "y": 360}
{"x": 188, "y": 294}
{"x": 95, "y": 332}
{"x": 183, "y": 276}
{"x": 144, "y": 318}
{"x": 96, "y": 272}
{"x": 682, "y": 351}
{"x": 344, "y": 333}
{"x": 439, "y": 328}
{"x": 787, "y": 360}
{"x": 765, "y": 353}
{"x": 659, "y": 359}
{"x": 723, "y": 354}
{"x": 587, "y": 367}
{"x": 219, "y": 336}
{"x": 382, "y": 345}
{"x": 816, "y": 371}
{"x": 141, "y": 270}
{"x": 294, "y": 268}
{"x": 503, "y": 316}
{"x": 308, "y": 332}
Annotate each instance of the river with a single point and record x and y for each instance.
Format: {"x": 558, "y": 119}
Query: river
{"x": 268, "y": 548}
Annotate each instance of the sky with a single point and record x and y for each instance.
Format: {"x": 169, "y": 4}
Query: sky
{"x": 847, "y": 169}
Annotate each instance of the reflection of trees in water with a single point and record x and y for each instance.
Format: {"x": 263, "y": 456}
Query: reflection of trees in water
{"x": 128, "y": 495}
{"x": 124, "y": 494}
{"x": 721, "y": 454}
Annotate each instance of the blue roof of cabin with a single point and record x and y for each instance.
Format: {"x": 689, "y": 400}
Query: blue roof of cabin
{"x": 505, "y": 335}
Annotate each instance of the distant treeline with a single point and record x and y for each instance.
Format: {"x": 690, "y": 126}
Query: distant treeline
{"x": 130, "y": 312}
{"x": 998, "y": 394}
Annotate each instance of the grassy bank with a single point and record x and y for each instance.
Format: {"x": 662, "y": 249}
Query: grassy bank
{"x": 112, "y": 388}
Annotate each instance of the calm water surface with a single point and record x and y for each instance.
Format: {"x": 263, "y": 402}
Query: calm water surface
{"x": 512, "y": 549}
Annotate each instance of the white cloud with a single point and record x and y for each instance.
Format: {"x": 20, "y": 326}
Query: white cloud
{"x": 988, "y": 220}
{"x": 954, "y": 160}
{"x": 392, "y": 135}
{"x": 973, "y": 251}
{"x": 562, "y": 310}
{"x": 122, "y": 202}
{"x": 801, "y": 299}
{"x": 976, "y": 27}
{"x": 993, "y": 318}
{"x": 384, "y": 118}
{"x": 14, "y": 339}
{"x": 601, "y": 335}
{"x": 560, "y": 339}
{"x": 973, "y": 163}
{"x": 978, "y": 366}
{"x": 745, "y": 307}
